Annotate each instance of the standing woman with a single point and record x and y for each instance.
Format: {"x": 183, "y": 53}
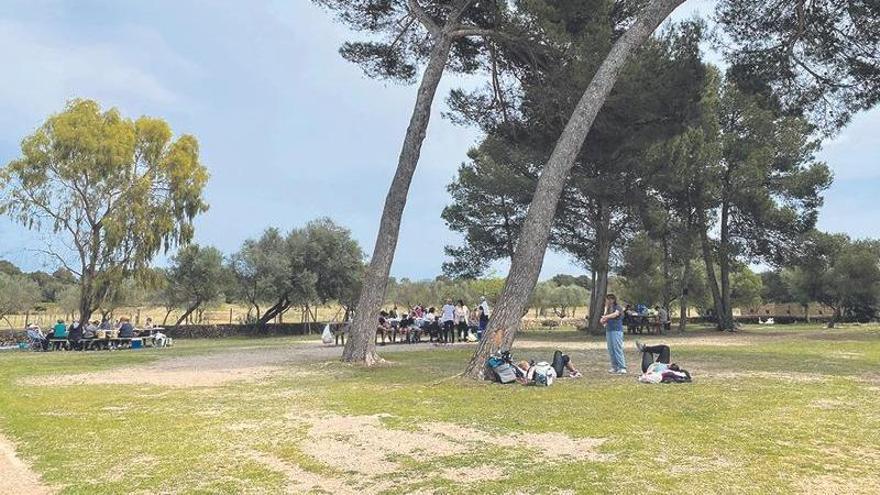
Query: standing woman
{"x": 613, "y": 321}
{"x": 461, "y": 320}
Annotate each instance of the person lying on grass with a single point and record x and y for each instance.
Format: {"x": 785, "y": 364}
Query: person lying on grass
{"x": 561, "y": 362}
{"x": 660, "y": 371}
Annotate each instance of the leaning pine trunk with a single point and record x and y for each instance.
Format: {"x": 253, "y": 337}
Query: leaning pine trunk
{"x": 361, "y": 345}
{"x": 186, "y": 314}
{"x": 532, "y": 243}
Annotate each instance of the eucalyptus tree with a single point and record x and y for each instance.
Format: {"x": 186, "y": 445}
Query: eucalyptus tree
{"x": 437, "y": 34}
{"x": 113, "y": 191}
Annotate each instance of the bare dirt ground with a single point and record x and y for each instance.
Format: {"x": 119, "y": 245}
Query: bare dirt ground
{"x": 214, "y": 369}
{"x": 235, "y": 364}
{"x": 364, "y": 444}
{"x": 16, "y": 477}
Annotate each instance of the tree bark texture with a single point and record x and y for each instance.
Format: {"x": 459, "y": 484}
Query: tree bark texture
{"x": 600, "y": 268}
{"x": 532, "y": 244}
{"x": 725, "y": 319}
{"x": 683, "y": 298}
{"x": 711, "y": 279}
{"x": 361, "y": 345}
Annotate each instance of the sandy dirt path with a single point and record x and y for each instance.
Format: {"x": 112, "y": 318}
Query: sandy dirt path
{"x": 16, "y": 477}
{"x": 215, "y": 368}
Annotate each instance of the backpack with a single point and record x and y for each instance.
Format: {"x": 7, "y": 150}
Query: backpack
{"x": 505, "y": 373}
{"x": 543, "y": 374}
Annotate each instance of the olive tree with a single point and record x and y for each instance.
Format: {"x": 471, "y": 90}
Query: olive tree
{"x": 17, "y": 294}
{"x": 196, "y": 278}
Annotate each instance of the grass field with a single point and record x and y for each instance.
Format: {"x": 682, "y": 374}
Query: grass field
{"x": 781, "y": 410}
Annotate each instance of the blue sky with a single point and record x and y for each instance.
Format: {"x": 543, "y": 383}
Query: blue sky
{"x": 288, "y": 130}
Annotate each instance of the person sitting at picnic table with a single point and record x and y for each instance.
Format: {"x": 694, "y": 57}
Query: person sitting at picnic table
{"x": 59, "y": 332}
{"x": 474, "y": 324}
{"x": 384, "y": 327}
{"x": 149, "y": 324}
{"x": 126, "y": 330}
{"x": 404, "y": 326}
{"x": 36, "y": 337}
{"x": 430, "y": 325}
{"x": 91, "y": 330}
{"x": 663, "y": 318}
{"x": 75, "y": 335}
{"x": 105, "y": 324}
{"x": 630, "y": 319}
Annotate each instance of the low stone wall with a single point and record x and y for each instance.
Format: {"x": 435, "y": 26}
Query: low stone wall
{"x": 212, "y": 331}
{"x": 273, "y": 329}
{"x": 236, "y": 330}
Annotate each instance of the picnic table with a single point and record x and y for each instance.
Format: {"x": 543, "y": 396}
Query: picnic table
{"x": 649, "y": 323}
{"x": 146, "y": 337}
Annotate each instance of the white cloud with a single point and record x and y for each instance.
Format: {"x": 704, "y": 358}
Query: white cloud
{"x": 42, "y": 70}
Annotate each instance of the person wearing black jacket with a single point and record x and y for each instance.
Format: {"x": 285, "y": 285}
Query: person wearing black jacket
{"x": 75, "y": 335}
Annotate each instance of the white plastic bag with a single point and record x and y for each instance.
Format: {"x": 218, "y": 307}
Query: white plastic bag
{"x": 327, "y": 335}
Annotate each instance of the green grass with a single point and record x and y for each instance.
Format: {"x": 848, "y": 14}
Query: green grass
{"x": 792, "y": 410}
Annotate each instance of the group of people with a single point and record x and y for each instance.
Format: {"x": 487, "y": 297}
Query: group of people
{"x": 76, "y": 336}
{"x": 639, "y": 318}
{"x": 443, "y": 326}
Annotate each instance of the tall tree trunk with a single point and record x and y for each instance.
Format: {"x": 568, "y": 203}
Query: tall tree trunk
{"x": 186, "y": 313}
{"x": 273, "y": 312}
{"x": 835, "y": 317}
{"x": 164, "y": 320}
{"x": 361, "y": 345}
{"x": 594, "y": 307}
{"x": 726, "y": 318}
{"x": 667, "y": 277}
{"x": 532, "y": 243}
{"x": 711, "y": 279}
{"x": 86, "y": 300}
{"x": 683, "y": 298}
{"x": 600, "y": 267}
